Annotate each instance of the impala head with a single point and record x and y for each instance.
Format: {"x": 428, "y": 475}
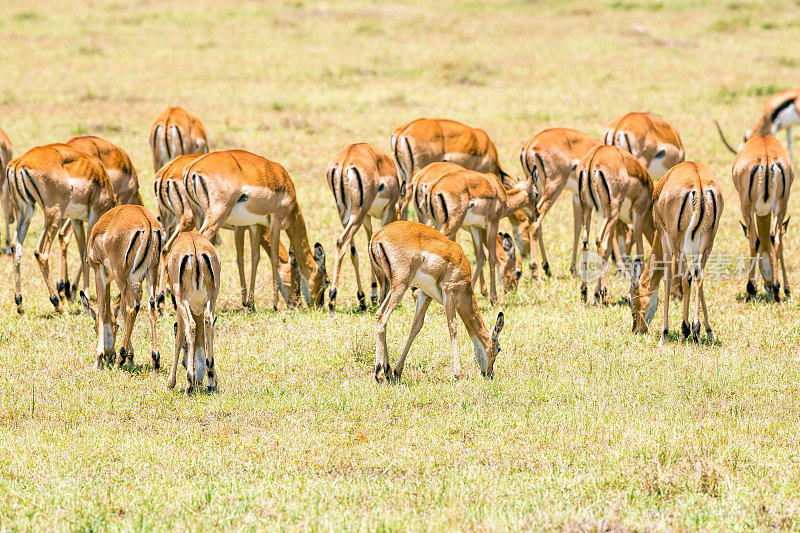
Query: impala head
{"x": 108, "y": 336}
{"x": 641, "y": 307}
{"x": 315, "y": 294}
{"x": 509, "y": 272}
{"x": 494, "y": 348}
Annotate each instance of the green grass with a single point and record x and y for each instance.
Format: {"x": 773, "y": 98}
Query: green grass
{"x": 585, "y": 426}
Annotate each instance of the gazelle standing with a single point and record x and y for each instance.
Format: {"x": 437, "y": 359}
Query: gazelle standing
{"x": 781, "y": 112}
{"x": 364, "y": 184}
{"x": 550, "y": 158}
{"x": 176, "y": 132}
{"x": 194, "y": 273}
{"x": 687, "y": 206}
{"x": 240, "y": 188}
{"x": 408, "y": 253}
{"x": 66, "y": 183}
{"x": 614, "y": 183}
{"x": 124, "y": 245}
{"x": 651, "y": 139}
{"x": 763, "y": 176}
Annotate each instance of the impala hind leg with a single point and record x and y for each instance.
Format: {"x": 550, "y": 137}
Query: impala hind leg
{"x": 26, "y": 213}
{"x": 80, "y": 240}
{"x": 374, "y": 282}
{"x": 51, "y": 225}
{"x": 180, "y": 342}
{"x": 209, "y": 321}
{"x": 668, "y": 269}
{"x": 342, "y": 244}
{"x": 423, "y": 301}
{"x": 396, "y": 292}
{"x": 152, "y": 281}
{"x": 130, "y": 305}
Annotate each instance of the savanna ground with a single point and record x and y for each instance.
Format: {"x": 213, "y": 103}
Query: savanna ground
{"x": 585, "y": 425}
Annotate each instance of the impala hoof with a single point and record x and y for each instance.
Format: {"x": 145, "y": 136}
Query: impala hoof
{"x": 156, "y": 360}
{"x": 546, "y": 268}
{"x": 362, "y": 301}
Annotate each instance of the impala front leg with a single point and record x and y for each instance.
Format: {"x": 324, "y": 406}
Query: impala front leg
{"x": 275, "y": 237}
{"x": 423, "y": 301}
{"x": 452, "y": 328}
{"x": 64, "y": 236}
{"x": 256, "y": 234}
{"x": 238, "y": 240}
{"x": 374, "y": 282}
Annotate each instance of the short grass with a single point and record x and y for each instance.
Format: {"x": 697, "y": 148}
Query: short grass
{"x": 585, "y": 425}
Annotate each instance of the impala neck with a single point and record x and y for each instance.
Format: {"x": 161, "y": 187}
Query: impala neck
{"x": 480, "y": 336}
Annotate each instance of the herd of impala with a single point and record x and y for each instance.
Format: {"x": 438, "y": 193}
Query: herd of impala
{"x": 636, "y": 179}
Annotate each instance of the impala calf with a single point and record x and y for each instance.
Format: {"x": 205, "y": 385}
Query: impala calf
{"x": 427, "y": 140}
{"x": 781, "y": 112}
{"x": 687, "y": 206}
{"x": 550, "y": 158}
{"x": 614, "y": 183}
{"x": 176, "y": 132}
{"x": 651, "y": 139}
{"x": 194, "y": 273}
{"x": 6, "y": 197}
{"x": 67, "y": 184}
{"x": 477, "y": 201}
{"x": 364, "y": 184}
{"x": 763, "y": 176}
{"x": 405, "y": 253}
{"x": 125, "y": 245}
{"x": 240, "y": 188}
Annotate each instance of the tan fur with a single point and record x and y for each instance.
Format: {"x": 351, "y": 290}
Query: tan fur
{"x": 176, "y": 132}
{"x": 687, "y": 207}
{"x": 478, "y": 201}
{"x": 762, "y": 168}
{"x": 405, "y": 253}
{"x": 67, "y": 184}
{"x": 124, "y": 245}
{"x": 194, "y": 274}
{"x": 362, "y": 179}
{"x": 427, "y": 140}
{"x": 6, "y": 197}
{"x": 612, "y": 181}
{"x": 549, "y": 158}
{"x": 651, "y": 140}
{"x": 243, "y": 189}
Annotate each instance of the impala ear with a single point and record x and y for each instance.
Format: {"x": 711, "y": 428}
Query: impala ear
{"x": 508, "y": 244}
{"x": 786, "y": 223}
{"x": 87, "y": 305}
{"x": 498, "y": 326}
{"x": 636, "y": 272}
{"x": 574, "y": 168}
{"x": 403, "y": 189}
{"x": 744, "y": 228}
{"x": 319, "y": 255}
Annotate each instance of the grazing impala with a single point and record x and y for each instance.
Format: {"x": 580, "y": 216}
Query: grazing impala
{"x": 126, "y": 190}
{"x": 781, "y": 112}
{"x": 763, "y": 176}
{"x": 614, "y": 183}
{"x": 687, "y": 206}
{"x": 176, "y": 132}
{"x": 651, "y": 139}
{"x": 427, "y": 140}
{"x": 550, "y": 158}
{"x": 477, "y": 201}
{"x": 364, "y": 184}
{"x": 240, "y": 188}
{"x": 66, "y": 183}
{"x": 405, "y": 253}
{"x": 177, "y": 214}
{"x": 124, "y": 245}
{"x": 194, "y": 273}
{"x": 6, "y": 197}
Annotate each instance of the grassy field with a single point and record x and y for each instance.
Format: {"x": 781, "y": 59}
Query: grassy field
{"x": 585, "y": 425}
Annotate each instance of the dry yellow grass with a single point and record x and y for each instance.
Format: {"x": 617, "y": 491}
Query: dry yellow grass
{"x": 585, "y": 425}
